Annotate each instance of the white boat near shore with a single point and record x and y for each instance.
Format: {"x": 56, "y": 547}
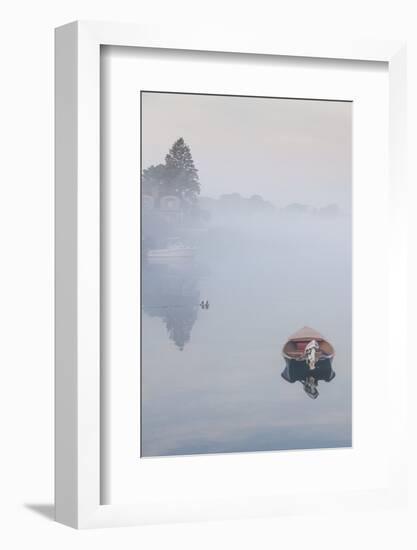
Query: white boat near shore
{"x": 175, "y": 249}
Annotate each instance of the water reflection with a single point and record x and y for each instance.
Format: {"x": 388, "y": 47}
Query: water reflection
{"x": 223, "y": 392}
{"x": 170, "y": 291}
{"x": 299, "y": 371}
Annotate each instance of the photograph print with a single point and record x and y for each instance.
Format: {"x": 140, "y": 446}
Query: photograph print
{"x": 246, "y": 274}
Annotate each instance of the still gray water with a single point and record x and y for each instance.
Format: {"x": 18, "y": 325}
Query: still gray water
{"x": 211, "y": 378}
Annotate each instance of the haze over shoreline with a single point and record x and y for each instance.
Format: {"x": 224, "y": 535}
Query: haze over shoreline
{"x": 288, "y": 151}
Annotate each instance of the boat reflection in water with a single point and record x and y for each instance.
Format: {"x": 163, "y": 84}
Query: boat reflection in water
{"x": 299, "y": 371}
{"x": 308, "y": 357}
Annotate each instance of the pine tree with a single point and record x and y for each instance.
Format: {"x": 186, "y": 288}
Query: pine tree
{"x": 182, "y": 174}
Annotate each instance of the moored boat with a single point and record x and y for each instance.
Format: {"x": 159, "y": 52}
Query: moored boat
{"x": 175, "y": 249}
{"x": 309, "y": 346}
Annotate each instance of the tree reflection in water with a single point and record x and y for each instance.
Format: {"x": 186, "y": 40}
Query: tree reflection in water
{"x": 170, "y": 291}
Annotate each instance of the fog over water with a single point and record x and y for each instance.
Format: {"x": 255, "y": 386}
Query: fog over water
{"x": 211, "y": 377}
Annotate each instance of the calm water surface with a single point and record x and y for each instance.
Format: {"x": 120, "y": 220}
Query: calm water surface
{"x": 211, "y": 378}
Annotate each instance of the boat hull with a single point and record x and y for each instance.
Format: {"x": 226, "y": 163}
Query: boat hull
{"x": 322, "y": 360}
{"x": 299, "y": 370}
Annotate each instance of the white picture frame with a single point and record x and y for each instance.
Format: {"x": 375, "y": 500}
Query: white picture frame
{"x": 78, "y": 411}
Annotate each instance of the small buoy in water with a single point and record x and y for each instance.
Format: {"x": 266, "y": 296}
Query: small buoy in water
{"x": 207, "y": 304}
{"x": 202, "y": 304}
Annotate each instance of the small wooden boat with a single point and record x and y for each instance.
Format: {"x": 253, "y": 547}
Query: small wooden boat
{"x": 295, "y": 347}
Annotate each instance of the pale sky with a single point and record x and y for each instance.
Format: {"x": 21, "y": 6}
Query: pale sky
{"x": 285, "y": 150}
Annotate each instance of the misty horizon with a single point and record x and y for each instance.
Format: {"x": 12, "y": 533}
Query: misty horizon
{"x": 276, "y": 206}
{"x": 288, "y": 151}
